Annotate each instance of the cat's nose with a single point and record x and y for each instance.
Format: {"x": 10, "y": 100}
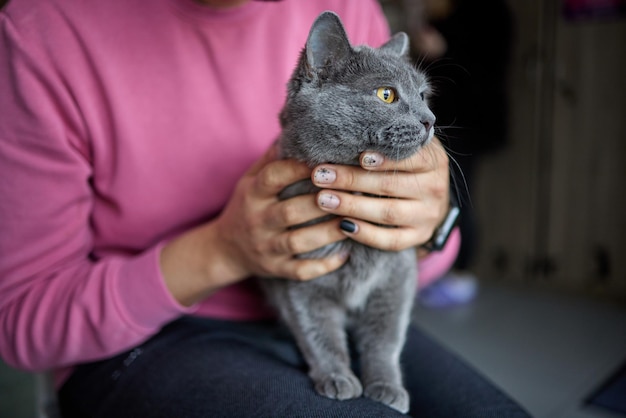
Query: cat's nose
{"x": 428, "y": 122}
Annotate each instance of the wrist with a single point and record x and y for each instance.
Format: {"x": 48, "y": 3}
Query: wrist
{"x": 195, "y": 264}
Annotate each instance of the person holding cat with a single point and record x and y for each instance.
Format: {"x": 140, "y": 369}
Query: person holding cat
{"x": 139, "y": 199}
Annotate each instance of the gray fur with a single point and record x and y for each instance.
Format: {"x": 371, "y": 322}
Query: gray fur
{"x": 332, "y": 114}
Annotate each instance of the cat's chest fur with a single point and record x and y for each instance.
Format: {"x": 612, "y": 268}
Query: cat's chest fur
{"x": 367, "y": 269}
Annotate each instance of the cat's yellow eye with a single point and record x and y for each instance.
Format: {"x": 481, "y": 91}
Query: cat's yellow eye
{"x": 386, "y": 94}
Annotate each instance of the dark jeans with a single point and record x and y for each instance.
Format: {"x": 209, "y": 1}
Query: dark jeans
{"x": 199, "y": 367}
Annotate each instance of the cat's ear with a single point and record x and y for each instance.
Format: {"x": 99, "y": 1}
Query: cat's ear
{"x": 327, "y": 42}
{"x": 398, "y": 44}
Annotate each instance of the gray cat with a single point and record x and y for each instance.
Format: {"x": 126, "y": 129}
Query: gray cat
{"x": 344, "y": 100}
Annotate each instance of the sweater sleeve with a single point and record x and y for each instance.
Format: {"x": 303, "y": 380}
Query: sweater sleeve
{"x": 59, "y": 305}
{"x": 437, "y": 264}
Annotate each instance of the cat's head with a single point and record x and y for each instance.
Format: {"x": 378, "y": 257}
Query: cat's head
{"x": 343, "y": 100}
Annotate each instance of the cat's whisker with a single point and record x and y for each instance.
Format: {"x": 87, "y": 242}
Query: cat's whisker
{"x": 419, "y": 62}
{"x": 442, "y": 63}
{"x": 458, "y": 179}
{"x": 455, "y": 183}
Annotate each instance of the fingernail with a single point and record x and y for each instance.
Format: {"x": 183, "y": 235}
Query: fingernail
{"x": 348, "y": 226}
{"x": 324, "y": 175}
{"x": 328, "y": 201}
{"x": 372, "y": 159}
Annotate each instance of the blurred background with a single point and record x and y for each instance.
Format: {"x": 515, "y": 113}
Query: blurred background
{"x": 530, "y": 98}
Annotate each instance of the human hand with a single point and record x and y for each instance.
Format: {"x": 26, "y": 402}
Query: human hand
{"x": 416, "y": 191}
{"x": 254, "y": 227}
{"x": 252, "y": 236}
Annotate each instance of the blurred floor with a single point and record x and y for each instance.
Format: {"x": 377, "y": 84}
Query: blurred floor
{"x": 548, "y": 351}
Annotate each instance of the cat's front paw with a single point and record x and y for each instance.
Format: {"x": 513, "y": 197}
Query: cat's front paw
{"x": 392, "y": 395}
{"x": 339, "y": 386}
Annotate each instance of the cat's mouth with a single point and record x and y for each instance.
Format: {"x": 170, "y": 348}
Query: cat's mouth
{"x": 400, "y": 142}
{"x": 401, "y": 151}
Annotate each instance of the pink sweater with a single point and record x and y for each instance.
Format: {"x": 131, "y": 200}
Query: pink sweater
{"x": 124, "y": 123}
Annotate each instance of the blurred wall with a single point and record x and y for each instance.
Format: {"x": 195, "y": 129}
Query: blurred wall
{"x": 552, "y": 204}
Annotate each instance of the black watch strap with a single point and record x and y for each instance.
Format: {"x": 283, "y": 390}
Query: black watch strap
{"x": 440, "y": 237}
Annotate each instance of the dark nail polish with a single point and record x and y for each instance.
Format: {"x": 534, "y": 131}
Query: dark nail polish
{"x": 348, "y": 226}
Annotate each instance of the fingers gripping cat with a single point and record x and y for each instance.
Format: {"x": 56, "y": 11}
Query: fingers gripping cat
{"x": 343, "y": 100}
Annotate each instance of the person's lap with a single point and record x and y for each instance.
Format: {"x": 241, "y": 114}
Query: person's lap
{"x": 207, "y": 368}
